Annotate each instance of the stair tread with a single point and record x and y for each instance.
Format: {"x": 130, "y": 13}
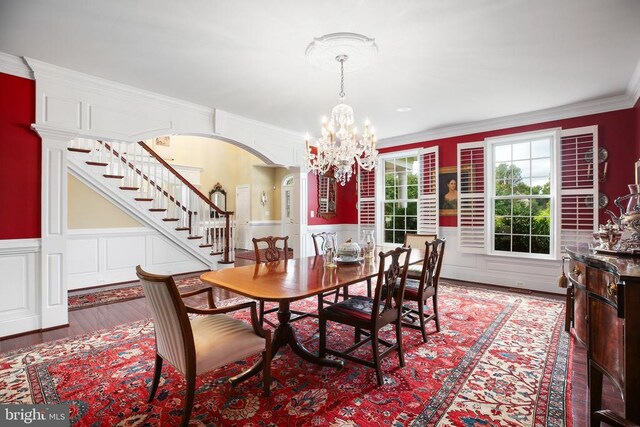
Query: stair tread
{"x": 170, "y": 219}
{"x": 143, "y": 199}
{"x": 194, "y": 237}
{"x": 79, "y": 150}
{"x": 113, "y": 176}
{"x": 130, "y": 188}
{"x": 182, "y": 228}
{"x": 157, "y": 210}
{"x": 206, "y": 245}
{"x": 97, "y": 164}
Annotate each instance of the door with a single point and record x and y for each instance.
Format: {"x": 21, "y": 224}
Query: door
{"x": 243, "y": 216}
{"x": 291, "y": 213}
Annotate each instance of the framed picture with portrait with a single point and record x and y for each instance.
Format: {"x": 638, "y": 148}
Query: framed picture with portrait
{"x": 448, "y": 191}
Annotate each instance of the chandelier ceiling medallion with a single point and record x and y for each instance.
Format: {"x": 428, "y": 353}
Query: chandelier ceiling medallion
{"x": 340, "y": 145}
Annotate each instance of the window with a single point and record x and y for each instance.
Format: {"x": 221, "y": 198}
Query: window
{"x": 400, "y": 198}
{"x": 536, "y": 196}
{"x": 408, "y": 184}
{"x": 521, "y": 195}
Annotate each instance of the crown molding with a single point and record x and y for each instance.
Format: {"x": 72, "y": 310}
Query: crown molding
{"x": 76, "y": 78}
{"x": 14, "y": 65}
{"x": 634, "y": 85}
{"x": 578, "y": 109}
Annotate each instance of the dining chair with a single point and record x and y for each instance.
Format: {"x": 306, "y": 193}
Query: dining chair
{"x": 416, "y": 241}
{"x": 199, "y": 344}
{"x": 369, "y": 315}
{"x": 319, "y": 241}
{"x": 424, "y": 288}
{"x": 267, "y": 251}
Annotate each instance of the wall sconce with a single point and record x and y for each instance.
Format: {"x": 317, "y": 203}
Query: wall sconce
{"x": 263, "y": 199}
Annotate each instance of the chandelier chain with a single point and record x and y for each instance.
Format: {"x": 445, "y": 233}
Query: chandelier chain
{"x": 342, "y": 77}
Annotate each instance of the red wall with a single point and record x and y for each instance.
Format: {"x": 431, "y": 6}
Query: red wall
{"x": 20, "y": 158}
{"x": 617, "y": 132}
{"x": 346, "y": 199}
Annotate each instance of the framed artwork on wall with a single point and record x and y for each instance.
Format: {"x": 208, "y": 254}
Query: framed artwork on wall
{"x": 448, "y": 184}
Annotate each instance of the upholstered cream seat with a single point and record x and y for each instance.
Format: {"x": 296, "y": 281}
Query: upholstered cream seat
{"x": 202, "y": 343}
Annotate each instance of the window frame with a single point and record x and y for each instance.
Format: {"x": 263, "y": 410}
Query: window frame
{"x": 555, "y": 177}
{"x": 380, "y": 189}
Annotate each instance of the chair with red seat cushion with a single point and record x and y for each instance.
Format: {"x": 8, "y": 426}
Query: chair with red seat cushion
{"x": 372, "y": 314}
{"x": 425, "y": 287}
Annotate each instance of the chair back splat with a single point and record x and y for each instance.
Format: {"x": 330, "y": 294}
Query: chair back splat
{"x": 266, "y": 248}
{"x": 387, "y": 304}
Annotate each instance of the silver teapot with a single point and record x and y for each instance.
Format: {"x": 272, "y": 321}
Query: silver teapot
{"x": 629, "y": 218}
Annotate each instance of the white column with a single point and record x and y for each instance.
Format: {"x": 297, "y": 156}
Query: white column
{"x": 53, "y": 262}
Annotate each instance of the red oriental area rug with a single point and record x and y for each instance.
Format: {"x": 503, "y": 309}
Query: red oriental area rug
{"x": 499, "y": 360}
{"x": 109, "y": 296}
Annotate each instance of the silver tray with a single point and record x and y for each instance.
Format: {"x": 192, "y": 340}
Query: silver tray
{"x": 628, "y": 252}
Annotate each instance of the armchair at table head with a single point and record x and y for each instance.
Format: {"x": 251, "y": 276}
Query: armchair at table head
{"x": 200, "y": 344}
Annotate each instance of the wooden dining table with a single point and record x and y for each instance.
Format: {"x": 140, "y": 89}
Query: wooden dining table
{"x": 291, "y": 280}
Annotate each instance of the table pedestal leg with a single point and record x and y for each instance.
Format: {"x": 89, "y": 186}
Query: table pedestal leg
{"x": 282, "y": 336}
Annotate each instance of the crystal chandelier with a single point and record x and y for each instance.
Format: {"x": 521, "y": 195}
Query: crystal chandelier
{"x": 341, "y": 146}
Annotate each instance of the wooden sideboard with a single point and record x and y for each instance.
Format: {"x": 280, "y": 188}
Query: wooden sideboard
{"x": 603, "y": 306}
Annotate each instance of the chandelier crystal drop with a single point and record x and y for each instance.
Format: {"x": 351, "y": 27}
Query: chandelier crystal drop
{"x": 340, "y": 146}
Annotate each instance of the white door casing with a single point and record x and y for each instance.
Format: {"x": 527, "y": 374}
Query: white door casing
{"x": 290, "y": 212}
{"x": 243, "y": 216}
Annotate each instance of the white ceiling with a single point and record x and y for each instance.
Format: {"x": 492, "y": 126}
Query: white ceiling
{"x": 451, "y": 61}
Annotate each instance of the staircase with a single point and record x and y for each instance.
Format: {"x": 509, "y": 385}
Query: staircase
{"x": 138, "y": 180}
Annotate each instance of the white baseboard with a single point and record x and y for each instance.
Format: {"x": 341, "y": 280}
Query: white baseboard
{"x": 110, "y": 255}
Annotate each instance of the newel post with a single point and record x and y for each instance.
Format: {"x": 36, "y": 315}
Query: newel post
{"x": 53, "y": 255}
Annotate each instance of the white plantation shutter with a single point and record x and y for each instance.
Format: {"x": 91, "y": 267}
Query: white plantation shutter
{"x": 367, "y": 199}
{"x": 428, "y": 215}
{"x": 471, "y": 197}
{"x": 579, "y": 185}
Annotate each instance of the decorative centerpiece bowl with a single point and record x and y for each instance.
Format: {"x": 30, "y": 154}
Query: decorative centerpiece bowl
{"x": 349, "y": 251}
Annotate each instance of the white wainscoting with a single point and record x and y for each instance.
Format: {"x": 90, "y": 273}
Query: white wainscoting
{"x": 110, "y": 255}
{"x": 523, "y": 273}
{"x": 19, "y": 307}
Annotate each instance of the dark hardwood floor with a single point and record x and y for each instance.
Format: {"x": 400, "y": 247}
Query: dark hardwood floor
{"x": 92, "y": 319}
